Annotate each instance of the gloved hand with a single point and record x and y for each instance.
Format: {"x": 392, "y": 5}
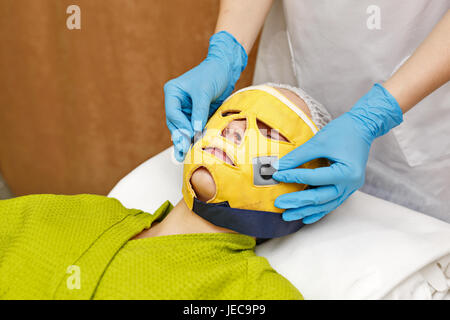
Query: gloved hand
{"x": 345, "y": 141}
{"x": 188, "y": 98}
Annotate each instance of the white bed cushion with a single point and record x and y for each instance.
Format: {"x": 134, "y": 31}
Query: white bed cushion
{"x": 366, "y": 249}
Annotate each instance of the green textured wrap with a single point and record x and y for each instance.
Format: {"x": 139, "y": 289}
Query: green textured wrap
{"x": 44, "y": 238}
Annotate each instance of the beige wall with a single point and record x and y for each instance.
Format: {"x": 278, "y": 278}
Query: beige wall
{"x": 80, "y": 109}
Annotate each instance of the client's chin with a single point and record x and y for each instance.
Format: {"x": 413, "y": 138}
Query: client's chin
{"x": 203, "y": 184}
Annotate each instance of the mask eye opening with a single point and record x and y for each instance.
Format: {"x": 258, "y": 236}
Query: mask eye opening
{"x": 269, "y": 132}
{"x": 227, "y": 113}
{"x": 234, "y": 131}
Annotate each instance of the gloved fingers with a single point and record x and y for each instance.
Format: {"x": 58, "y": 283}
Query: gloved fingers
{"x": 313, "y": 177}
{"x": 314, "y": 218}
{"x": 200, "y": 111}
{"x": 300, "y": 155}
{"x": 312, "y": 210}
{"x": 177, "y": 121}
{"x": 308, "y": 197}
{"x": 175, "y": 115}
{"x": 181, "y": 142}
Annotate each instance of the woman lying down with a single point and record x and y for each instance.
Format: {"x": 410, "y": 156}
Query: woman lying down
{"x": 91, "y": 247}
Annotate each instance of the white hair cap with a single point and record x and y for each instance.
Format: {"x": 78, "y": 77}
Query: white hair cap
{"x": 319, "y": 115}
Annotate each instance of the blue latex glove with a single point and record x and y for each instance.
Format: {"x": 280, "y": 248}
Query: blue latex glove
{"x": 345, "y": 141}
{"x": 194, "y": 96}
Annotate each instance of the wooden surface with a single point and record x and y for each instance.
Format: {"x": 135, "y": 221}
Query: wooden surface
{"x": 79, "y": 109}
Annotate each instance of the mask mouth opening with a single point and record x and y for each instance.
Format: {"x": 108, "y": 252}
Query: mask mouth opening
{"x": 203, "y": 184}
{"x": 219, "y": 154}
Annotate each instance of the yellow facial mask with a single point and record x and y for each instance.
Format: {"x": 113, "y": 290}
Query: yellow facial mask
{"x": 245, "y": 190}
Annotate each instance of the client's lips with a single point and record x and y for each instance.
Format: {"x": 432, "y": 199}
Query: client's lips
{"x": 220, "y": 154}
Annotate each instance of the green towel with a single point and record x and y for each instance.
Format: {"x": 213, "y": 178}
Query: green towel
{"x": 79, "y": 247}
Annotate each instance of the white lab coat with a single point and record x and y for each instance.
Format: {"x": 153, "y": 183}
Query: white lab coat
{"x": 335, "y": 50}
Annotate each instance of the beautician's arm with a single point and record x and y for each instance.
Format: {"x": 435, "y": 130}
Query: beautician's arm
{"x": 192, "y": 97}
{"x": 426, "y": 70}
{"x": 243, "y": 19}
{"x": 346, "y": 140}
